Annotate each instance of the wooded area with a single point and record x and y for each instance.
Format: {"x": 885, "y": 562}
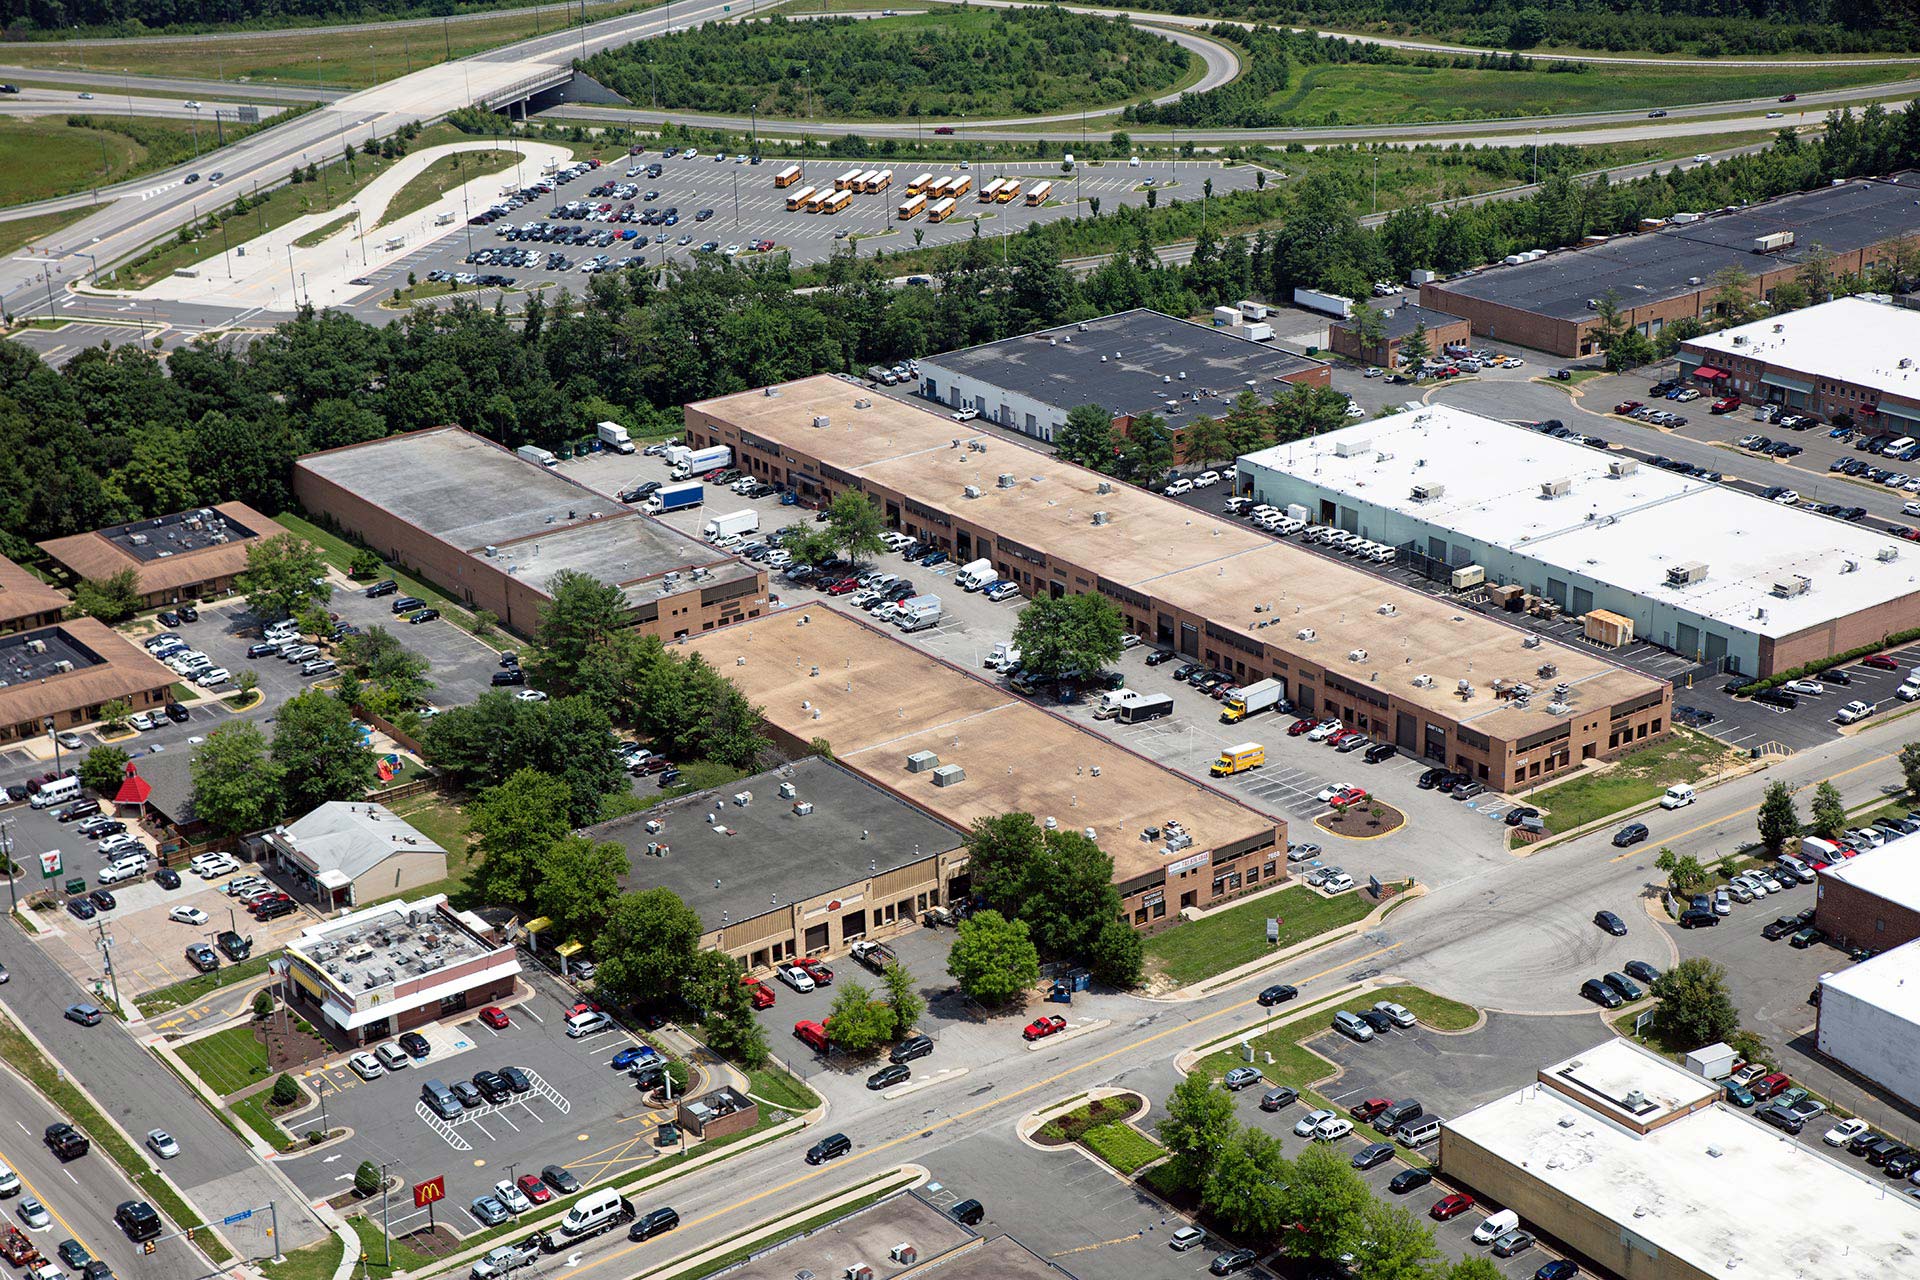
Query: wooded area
{"x": 26, "y": 18}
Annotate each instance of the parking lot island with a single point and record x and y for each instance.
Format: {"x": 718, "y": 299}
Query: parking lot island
{"x": 1437, "y": 680}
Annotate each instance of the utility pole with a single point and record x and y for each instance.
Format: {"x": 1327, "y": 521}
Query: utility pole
{"x": 104, "y": 941}
{"x": 6, "y": 851}
{"x": 386, "y": 1217}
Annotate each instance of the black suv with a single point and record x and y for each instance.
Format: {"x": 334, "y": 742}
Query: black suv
{"x": 910, "y": 1048}
{"x": 137, "y": 1219}
{"x": 509, "y": 675}
{"x": 1780, "y": 928}
{"x": 384, "y": 587}
{"x": 66, "y": 1141}
{"x": 236, "y": 947}
{"x": 653, "y": 1222}
{"x": 491, "y": 1086}
{"x": 415, "y": 1044}
{"x": 407, "y": 604}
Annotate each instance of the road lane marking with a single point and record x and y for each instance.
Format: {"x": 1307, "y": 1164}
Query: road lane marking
{"x": 1754, "y": 808}
{"x": 35, "y": 1192}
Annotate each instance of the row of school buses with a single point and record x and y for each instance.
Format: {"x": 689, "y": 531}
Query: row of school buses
{"x": 937, "y": 198}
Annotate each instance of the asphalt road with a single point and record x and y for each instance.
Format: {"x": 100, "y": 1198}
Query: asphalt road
{"x": 48, "y": 102}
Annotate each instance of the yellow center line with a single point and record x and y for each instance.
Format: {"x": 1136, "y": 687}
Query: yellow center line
{"x": 1754, "y": 808}
{"x": 35, "y": 1192}
{"x": 957, "y": 1117}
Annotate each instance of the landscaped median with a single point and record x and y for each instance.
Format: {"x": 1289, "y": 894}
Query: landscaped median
{"x": 1103, "y": 1126}
{"x": 1237, "y": 935}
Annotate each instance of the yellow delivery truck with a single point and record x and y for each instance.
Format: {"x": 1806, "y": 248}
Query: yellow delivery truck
{"x": 1248, "y": 755}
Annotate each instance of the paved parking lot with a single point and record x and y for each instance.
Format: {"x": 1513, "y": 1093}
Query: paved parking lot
{"x": 589, "y": 1117}
{"x": 462, "y": 666}
{"x": 747, "y": 207}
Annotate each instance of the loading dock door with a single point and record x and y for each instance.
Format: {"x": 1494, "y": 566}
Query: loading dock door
{"x": 1406, "y": 732}
{"x": 1190, "y": 639}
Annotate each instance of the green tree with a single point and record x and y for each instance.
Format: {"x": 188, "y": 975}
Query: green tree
{"x": 114, "y": 713}
{"x": 713, "y": 985}
{"x": 114, "y": 598}
{"x": 854, "y": 525}
{"x": 483, "y": 744}
{"x": 1327, "y": 1201}
{"x": 1147, "y": 453}
{"x": 1527, "y": 29}
{"x": 366, "y": 1179}
{"x": 246, "y": 683}
{"x": 904, "y": 1001}
{"x": 1070, "y": 895}
{"x": 513, "y": 825}
{"x": 1001, "y": 853}
{"x": 1477, "y": 1267}
{"x": 103, "y": 770}
{"x": 1086, "y": 437}
{"x": 1118, "y": 953}
{"x": 1245, "y": 425}
{"x": 647, "y": 946}
{"x": 262, "y": 1003}
{"x": 1694, "y": 1008}
{"x": 1829, "y": 811}
{"x": 579, "y": 883}
{"x": 319, "y": 751}
{"x": 858, "y": 1023}
{"x": 1196, "y": 1128}
{"x": 583, "y": 613}
{"x": 363, "y": 563}
{"x": 1910, "y": 767}
{"x": 1204, "y": 440}
{"x": 993, "y": 958}
{"x": 284, "y": 574}
{"x": 236, "y": 783}
{"x": 1779, "y": 820}
{"x": 398, "y": 675}
{"x": 285, "y": 1091}
{"x": 1245, "y": 1186}
{"x": 1684, "y": 871}
{"x": 1394, "y": 1245}
{"x": 1415, "y": 347}
{"x": 1072, "y": 633}
{"x": 1368, "y": 325}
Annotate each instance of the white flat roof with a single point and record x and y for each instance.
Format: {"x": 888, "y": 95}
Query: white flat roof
{"x": 1699, "y": 1187}
{"x": 1623, "y": 531}
{"x": 1608, "y": 1074}
{"x": 1856, "y": 340}
{"x": 1892, "y": 872}
{"x": 1889, "y": 982}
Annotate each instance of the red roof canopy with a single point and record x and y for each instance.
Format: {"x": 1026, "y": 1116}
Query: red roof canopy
{"x": 135, "y": 790}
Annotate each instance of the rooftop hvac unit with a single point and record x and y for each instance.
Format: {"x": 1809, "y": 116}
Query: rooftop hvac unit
{"x": 1304, "y": 633}
{"x": 822, "y": 420}
{"x": 1099, "y": 517}
{"x": 1887, "y": 555}
{"x": 922, "y": 762}
{"x": 948, "y": 775}
{"x": 1105, "y": 486}
{"x": 1558, "y": 708}
{"x": 1427, "y": 492}
{"x": 1621, "y": 468}
{"x": 1423, "y": 681}
{"x": 1556, "y": 488}
{"x": 743, "y": 798}
{"x": 802, "y": 808}
{"x": 1796, "y": 585}
{"x": 904, "y": 1254}
{"x": 1357, "y": 655}
{"x": 1387, "y": 610}
{"x": 1682, "y": 575}
{"x": 788, "y": 791}
{"x": 1351, "y": 448}
{"x": 1531, "y": 642}
{"x": 971, "y": 491}
{"x": 1006, "y": 480}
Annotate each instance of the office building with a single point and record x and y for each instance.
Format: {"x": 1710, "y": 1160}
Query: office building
{"x": 1851, "y": 359}
{"x": 64, "y": 676}
{"x": 1397, "y": 324}
{"x": 175, "y": 559}
{"x": 1873, "y": 900}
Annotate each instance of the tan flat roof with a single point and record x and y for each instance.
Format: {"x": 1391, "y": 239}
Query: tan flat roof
{"x": 879, "y": 700}
{"x": 1217, "y": 569}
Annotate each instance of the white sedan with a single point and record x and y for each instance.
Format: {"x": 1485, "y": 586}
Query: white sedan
{"x": 1311, "y": 1121}
{"x": 1328, "y": 792}
{"x": 511, "y": 1196}
{"x": 1844, "y": 1132}
{"x": 162, "y": 1144}
{"x": 188, "y": 915}
{"x": 1399, "y": 1013}
{"x": 1811, "y": 688}
{"x": 366, "y": 1066}
{"x": 530, "y": 695}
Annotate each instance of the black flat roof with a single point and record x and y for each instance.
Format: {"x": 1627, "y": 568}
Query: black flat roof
{"x": 1129, "y": 362}
{"x": 1408, "y": 316}
{"x": 177, "y": 534}
{"x": 35, "y": 655}
{"x": 1644, "y": 269}
{"x": 762, "y": 856}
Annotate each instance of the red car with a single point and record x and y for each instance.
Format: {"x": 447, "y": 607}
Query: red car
{"x": 817, "y": 970}
{"x": 494, "y": 1017}
{"x": 1626, "y": 406}
{"x": 1370, "y": 1108}
{"x": 1345, "y": 735}
{"x": 943, "y": 129}
{"x": 1452, "y": 1206}
{"x": 1352, "y": 795}
{"x": 762, "y": 993}
{"x": 1301, "y": 726}
{"x": 1041, "y": 1028}
{"x": 846, "y": 586}
{"x": 711, "y": 476}
{"x": 1789, "y": 97}
{"x": 534, "y": 1189}
{"x": 1725, "y": 404}
{"x": 1880, "y": 662}
{"x": 1769, "y": 1085}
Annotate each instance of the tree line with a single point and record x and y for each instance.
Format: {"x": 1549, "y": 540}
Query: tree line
{"x": 1028, "y": 60}
{"x": 27, "y": 19}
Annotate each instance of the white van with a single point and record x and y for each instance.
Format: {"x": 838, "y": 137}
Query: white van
{"x": 1418, "y": 1133}
{"x": 586, "y": 1024}
{"x": 59, "y": 791}
{"x": 1818, "y": 849}
{"x": 594, "y": 1213}
{"x": 976, "y": 575}
{"x": 1495, "y": 1226}
{"x": 1112, "y": 700}
{"x": 1678, "y": 796}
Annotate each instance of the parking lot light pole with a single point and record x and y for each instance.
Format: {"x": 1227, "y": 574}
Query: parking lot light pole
{"x": 6, "y": 851}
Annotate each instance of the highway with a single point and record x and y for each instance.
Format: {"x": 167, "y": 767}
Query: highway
{"x": 64, "y": 102}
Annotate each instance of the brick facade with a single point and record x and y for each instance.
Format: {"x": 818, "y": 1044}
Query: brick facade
{"x": 1851, "y": 915}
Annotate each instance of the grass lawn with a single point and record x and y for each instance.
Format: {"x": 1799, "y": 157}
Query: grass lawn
{"x": 252, "y": 1112}
{"x": 45, "y": 156}
{"x": 1357, "y": 93}
{"x": 442, "y": 176}
{"x": 1633, "y": 779}
{"x": 1227, "y": 939}
{"x": 343, "y": 57}
{"x": 200, "y": 986}
{"x": 228, "y": 1060}
{"x": 325, "y": 231}
{"x": 773, "y": 1085}
{"x": 315, "y": 1262}
{"x": 338, "y": 552}
{"x": 374, "y": 1244}
{"x": 17, "y": 233}
{"x": 1122, "y": 1146}
{"x": 1435, "y": 1011}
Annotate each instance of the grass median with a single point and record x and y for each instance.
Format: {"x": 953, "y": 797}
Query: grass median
{"x": 741, "y": 1252}
{"x": 1228, "y": 939}
{"x": 200, "y": 986}
{"x": 1122, "y": 1146}
{"x": 226, "y": 1061}
{"x": 778, "y": 1087}
{"x": 1631, "y": 780}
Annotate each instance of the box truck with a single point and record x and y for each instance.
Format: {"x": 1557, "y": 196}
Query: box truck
{"x": 1149, "y": 706}
{"x": 675, "y": 497}
{"x": 1261, "y": 696}
{"x": 975, "y": 575}
{"x": 697, "y": 461}
{"x": 536, "y": 455}
{"x": 1248, "y": 755}
{"x": 676, "y": 454}
{"x": 918, "y": 613}
{"x": 732, "y": 522}
{"x": 614, "y": 436}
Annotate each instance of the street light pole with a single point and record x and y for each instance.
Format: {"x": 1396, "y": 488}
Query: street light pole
{"x": 6, "y": 851}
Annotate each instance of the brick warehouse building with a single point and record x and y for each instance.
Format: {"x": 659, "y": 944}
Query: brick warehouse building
{"x": 1667, "y": 274}
{"x": 1873, "y": 900}
{"x": 492, "y": 529}
{"x": 1436, "y": 681}
{"x": 1396, "y": 326}
{"x": 1851, "y": 358}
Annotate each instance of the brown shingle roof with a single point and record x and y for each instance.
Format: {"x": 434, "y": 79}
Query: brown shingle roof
{"x": 90, "y": 555}
{"x": 123, "y": 671}
{"x": 22, "y": 595}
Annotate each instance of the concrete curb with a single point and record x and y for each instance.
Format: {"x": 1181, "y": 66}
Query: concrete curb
{"x": 1211, "y": 986}
{"x": 1188, "y": 1058}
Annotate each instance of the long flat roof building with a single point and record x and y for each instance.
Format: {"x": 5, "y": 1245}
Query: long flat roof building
{"x": 67, "y": 673}
{"x": 1408, "y": 668}
{"x": 188, "y": 555}
{"x": 493, "y": 530}
{"x": 963, "y": 749}
{"x": 1129, "y": 363}
{"x": 1850, "y": 356}
{"x": 1869, "y": 1019}
{"x": 1872, "y": 900}
{"x": 1710, "y": 573}
{"x": 872, "y": 863}
{"x": 1631, "y": 1162}
{"x": 1659, "y": 276}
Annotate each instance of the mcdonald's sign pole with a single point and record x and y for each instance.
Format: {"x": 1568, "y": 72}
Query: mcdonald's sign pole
{"x": 425, "y": 1193}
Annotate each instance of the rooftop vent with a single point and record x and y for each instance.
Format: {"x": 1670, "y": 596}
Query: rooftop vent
{"x": 922, "y": 762}
{"x": 1423, "y": 681}
{"x": 1099, "y": 517}
{"x": 1681, "y": 575}
{"x": 822, "y": 420}
{"x": 1304, "y": 633}
{"x": 1357, "y": 655}
{"x": 1105, "y": 486}
{"x": 1387, "y": 610}
{"x": 1887, "y": 555}
{"x": 1796, "y": 585}
{"x": 1635, "y": 1099}
{"x": 971, "y": 491}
